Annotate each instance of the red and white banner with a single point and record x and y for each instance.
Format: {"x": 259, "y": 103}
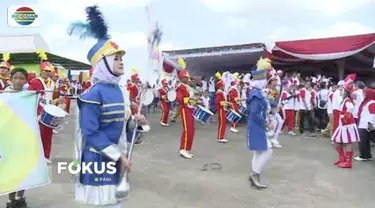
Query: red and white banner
{"x": 358, "y": 48}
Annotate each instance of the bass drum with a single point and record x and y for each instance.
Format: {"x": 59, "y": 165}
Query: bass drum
{"x": 148, "y": 97}
{"x": 171, "y": 95}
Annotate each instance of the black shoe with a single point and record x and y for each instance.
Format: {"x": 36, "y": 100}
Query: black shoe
{"x": 21, "y": 203}
{"x": 12, "y": 204}
{"x": 138, "y": 141}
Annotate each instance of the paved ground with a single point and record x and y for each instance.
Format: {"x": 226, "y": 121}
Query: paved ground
{"x": 300, "y": 174}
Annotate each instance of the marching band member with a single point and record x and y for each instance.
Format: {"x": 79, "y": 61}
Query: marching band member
{"x": 104, "y": 118}
{"x": 257, "y": 123}
{"x": 87, "y": 84}
{"x": 347, "y": 133}
{"x": 273, "y": 97}
{"x": 234, "y": 99}
{"x": 56, "y": 93}
{"x": 184, "y": 99}
{"x": 64, "y": 89}
{"x": 336, "y": 104}
{"x": 4, "y": 71}
{"x": 164, "y": 103}
{"x": 55, "y": 80}
{"x": 134, "y": 89}
{"x": 18, "y": 79}
{"x": 221, "y": 104}
{"x": 44, "y": 83}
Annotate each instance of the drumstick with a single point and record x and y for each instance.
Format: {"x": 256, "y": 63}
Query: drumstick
{"x": 122, "y": 190}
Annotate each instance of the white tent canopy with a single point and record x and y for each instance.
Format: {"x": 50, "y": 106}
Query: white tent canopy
{"x": 22, "y": 43}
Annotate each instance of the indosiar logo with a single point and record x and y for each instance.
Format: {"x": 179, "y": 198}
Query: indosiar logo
{"x": 23, "y": 16}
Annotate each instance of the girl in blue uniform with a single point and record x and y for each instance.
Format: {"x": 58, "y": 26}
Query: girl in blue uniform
{"x": 104, "y": 118}
{"x": 258, "y": 123}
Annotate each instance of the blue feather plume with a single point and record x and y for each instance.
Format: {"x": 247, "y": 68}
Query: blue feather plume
{"x": 95, "y": 26}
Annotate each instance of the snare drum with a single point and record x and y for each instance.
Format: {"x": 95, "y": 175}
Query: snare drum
{"x": 202, "y": 114}
{"x": 171, "y": 95}
{"x": 243, "y": 110}
{"x": 52, "y": 116}
{"x": 233, "y": 117}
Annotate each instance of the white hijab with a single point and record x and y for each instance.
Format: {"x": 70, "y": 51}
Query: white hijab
{"x": 101, "y": 73}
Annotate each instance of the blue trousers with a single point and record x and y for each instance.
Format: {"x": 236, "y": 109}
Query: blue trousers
{"x": 213, "y": 103}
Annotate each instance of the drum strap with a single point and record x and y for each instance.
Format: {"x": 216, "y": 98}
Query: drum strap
{"x": 109, "y": 68}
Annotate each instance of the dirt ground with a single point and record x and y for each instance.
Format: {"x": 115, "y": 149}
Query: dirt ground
{"x": 300, "y": 174}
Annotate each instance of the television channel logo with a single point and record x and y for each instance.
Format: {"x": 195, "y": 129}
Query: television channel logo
{"x": 23, "y": 16}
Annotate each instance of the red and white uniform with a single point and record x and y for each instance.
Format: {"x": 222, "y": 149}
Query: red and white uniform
{"x": 86, "y": 86}
{"x": 46, "y": 132}
{"x": 295, "y": 81}
{"x": 186, "y": 109}
{"x": 305, "y": 94}
{"x": 55, "y": 95}
{"x": 234, "y": 99}
{"x": 220, "y": 101}
{"x": 64, "y": 89}
{"x": 366, "y": 114}
{"x": 165, "y": 105}
{"x": 134, "y": 95}
{"x": 347, "y": 131}
{"x": 288, "y": 109}
{"x": 4, "y": 81}
{"x": 336, "y": 107}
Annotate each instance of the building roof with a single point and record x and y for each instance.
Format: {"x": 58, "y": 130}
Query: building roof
{"x": 194, "y": 52}
{"x": 205, "y": 61}
{"x": 23, "y": 50}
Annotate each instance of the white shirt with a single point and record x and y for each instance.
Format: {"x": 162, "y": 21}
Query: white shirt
{"x": 307, "y": 100}
{"x": 206, "y": 102}
{"x": 358, "y": 100}
{"x": 329, "y": 102}
{"x": 211, "y": 86}
{"x": 244, "y": 95}
{"x": 288, "y": 104}
{"x": 204, "y": 85}
{"x": 323, "y": 96}
{"x": 336, "y": 100}
{"x": 295, "y": 81}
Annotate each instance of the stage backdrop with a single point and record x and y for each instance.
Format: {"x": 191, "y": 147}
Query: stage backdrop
{"x": 22, "y": 163}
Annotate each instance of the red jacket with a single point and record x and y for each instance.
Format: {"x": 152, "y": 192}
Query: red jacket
{"x": 220, "y": 100}
{"x": 134, "y": 92}
{"x": 183, "y": 95}
{"x": 35, "y": 85}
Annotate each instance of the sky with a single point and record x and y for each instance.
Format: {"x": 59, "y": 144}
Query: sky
{"x": 195, "y": 23}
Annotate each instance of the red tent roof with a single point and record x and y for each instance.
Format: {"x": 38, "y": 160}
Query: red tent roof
{"x": 359, "y": 50}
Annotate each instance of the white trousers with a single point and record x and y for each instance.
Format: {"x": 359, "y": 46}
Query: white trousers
{"x": 278, "y": 125}
{"x": 260, "y": 158}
